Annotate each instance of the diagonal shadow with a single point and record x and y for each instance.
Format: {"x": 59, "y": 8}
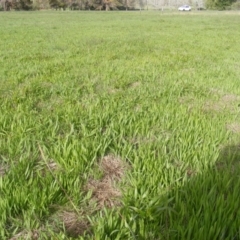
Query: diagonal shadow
{"x": 208, "y": 205}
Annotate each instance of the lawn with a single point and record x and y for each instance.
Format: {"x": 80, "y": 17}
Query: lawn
{"x": 119, "y": 125}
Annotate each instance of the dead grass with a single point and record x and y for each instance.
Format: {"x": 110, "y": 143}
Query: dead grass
{"x": 216, "y": 91}
{"x": 51, "y": 105}
{"x": 227, "y": 102}
{"x": 21, "y": 235}
{"x": 135, "y": 84}
{"x": 26, "y": 235}
{"x": 69, "y": 221}
{"x": 104, "y": 191}
{"x": 233, "y": 127}
{"x": 189, "y": 101}
{"x": 74, "y": 224}
{"x": 185, "y": 100}
{"x": 229, "y": 98}
{"x": 112, "y": 167}
{"x": 113, "y": 90}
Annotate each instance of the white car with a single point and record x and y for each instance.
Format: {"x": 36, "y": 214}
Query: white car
{"x": 184, "y": 8}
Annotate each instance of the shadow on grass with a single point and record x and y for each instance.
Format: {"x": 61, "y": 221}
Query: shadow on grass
{"x": 208, "y": 205}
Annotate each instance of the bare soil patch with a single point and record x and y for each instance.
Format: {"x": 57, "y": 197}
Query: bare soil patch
{"x": 189, "y": 101}
{"x": 135, "y": 84}
{"x": 233, "y": 127}
{"x": 227, "y": 102}
{"x": 219, "y": 103}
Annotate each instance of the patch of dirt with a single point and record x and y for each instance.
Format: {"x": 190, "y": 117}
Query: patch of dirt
{"x": 112, "y": 167}
{"x": 213, "y": 106}
{"x": 26, "y": 235}
{"x": 216, "y": 91}
{"x": 138, "y": 108}
{"x": 135, "y": 84}
{"x": 73, "y": 224}
{"x": 229, "y": 98}
{"x": 233, "y": 127}
{"x": 185, "y": 99}
{"x": 104, "y": 191}
{"x": 21, "y": 235}
{"x": 227, "y": 102}
{"x": 113, "y": 90}
{"x": 189, "y": 101}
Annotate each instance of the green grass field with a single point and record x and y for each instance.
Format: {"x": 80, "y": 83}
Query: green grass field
{"x": 119, "y": 125}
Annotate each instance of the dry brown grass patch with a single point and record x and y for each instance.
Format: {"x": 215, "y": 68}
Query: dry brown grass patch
{"x": 104, "y": 193}
{"x": 112, "y": 167}
{"x": 229, "y": 98}
{"x": 26, "y": 235}
{"x": 51, "y": 105}
{"x": 113, "y": 90}
{"x": 21, "y": 235}
{"x": 189, "y": 101}
{"x": 185, "y": 100}
{"x": 216, "y": 91}
{"x": 135, "y": 84}
{"x": 210, "y": 106}
{"x": 227, "y": 102}
{"x": 233, "y": 127}
{"x": 74, "y": 224}
{"x": 104, "y": 190}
